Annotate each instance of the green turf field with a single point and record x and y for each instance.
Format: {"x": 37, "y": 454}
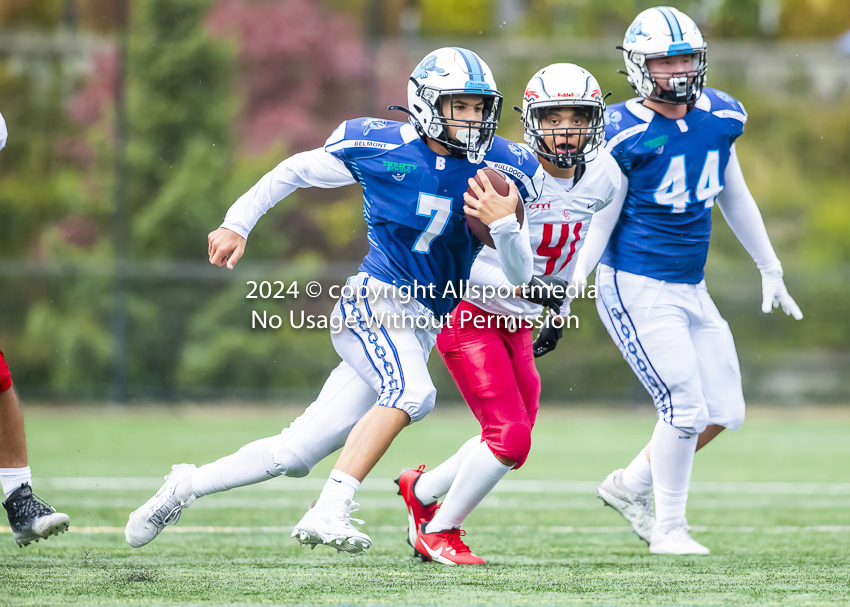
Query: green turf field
{"x": 772, "y": 502}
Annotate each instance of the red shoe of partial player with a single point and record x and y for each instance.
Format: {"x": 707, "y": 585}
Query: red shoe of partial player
{"x": 417, "y": 512}
{"x": 446, "y": 547}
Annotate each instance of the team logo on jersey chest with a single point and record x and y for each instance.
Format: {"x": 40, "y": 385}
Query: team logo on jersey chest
{"x": 544, "y": 206}
{"x": 658, "y": 142}
{"x": 399, "y": 169}
{"x": 567, "y": 214}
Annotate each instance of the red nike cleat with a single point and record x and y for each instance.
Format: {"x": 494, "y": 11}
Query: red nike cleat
{"x": 446, "y": 547}
{"x": 417, "y": 512}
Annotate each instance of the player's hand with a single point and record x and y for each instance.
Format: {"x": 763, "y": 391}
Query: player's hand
{"x": 774, "y": 294}
{"x": 548, "y": 336}
{"x": 224, "y": 243}
{"x": 548, "y": 291}
{"x": 490, "y": 206}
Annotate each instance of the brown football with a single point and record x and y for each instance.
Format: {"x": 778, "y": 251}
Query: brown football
{"x": 500, "y": 183}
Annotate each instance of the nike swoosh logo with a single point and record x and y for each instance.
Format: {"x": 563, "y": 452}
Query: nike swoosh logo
{"x": 434, "y": 553}
{"x": 336, "y": 481}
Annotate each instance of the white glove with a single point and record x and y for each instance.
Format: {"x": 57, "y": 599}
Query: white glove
{"x": 774, "y": 294}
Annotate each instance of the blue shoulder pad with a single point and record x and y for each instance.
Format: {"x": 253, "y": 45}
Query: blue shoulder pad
{"x": 725, "y": 107}
{"x": 517, "y": 161}
{"x": 365, "y": 137}
{"x": 618, "y": 119}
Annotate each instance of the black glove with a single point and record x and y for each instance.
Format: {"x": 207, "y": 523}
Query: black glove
{"x": 547, "y": 337}
{"x": 548, "y": 291}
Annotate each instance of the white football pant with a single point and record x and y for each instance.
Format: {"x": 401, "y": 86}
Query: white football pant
{"x": 677, "y": 344}
{"x": 382, "y": 364}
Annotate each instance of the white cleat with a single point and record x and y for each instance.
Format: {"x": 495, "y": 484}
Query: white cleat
{"x": 635, "y": 508}
{"x": 332, "y": 529}
{"x": 164, "y": 508}
{"x": 675, "y": 540}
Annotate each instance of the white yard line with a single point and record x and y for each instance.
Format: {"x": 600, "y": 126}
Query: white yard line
{"x": 506, "y": 486}
{"x": 389, "y": 529}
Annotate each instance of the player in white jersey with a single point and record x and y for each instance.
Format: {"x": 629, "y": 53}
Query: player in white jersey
{"x": 414, "y": 177}
{"x": 675, "y": 146}
{"x": 488, "y": 346}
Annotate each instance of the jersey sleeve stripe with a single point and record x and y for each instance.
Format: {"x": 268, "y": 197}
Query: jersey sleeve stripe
{"x": 731, "y": 114}
{"x": 527, "y": 183}
{"x": 621, "y": 137}
{"x": 361, "y": 143}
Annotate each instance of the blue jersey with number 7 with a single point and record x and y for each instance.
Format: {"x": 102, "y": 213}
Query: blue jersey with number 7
{"x": 675, "y": 170}
{"x": 413, "y": 203}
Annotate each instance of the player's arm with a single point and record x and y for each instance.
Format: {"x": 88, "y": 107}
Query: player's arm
{"x": 598, "y": 235}
{"x": 316, "y": 168}
{"x": 499, "y": 213}
{"x": 742, "y": 214}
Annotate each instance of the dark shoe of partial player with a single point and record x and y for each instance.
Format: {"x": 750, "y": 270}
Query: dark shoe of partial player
{"x": 417, "y": 512}
{"x": 32, "y": 519}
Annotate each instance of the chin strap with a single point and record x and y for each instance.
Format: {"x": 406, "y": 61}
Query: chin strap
{"x": 401, "y": 109}
{"x": 581, "y": 168}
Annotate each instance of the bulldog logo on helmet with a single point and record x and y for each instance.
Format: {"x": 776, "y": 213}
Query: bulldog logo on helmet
{"x": 429, "y": 64}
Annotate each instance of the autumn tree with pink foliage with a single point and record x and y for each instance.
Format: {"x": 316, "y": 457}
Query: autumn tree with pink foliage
{"x": 301, "y": 69}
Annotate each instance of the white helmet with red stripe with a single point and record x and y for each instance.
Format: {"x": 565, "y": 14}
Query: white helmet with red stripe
{"x": 563, "y": 85}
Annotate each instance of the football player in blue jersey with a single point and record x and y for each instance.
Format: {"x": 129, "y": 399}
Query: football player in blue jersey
{"x": 414, "y": 177}
{"x": 675, "y": 145}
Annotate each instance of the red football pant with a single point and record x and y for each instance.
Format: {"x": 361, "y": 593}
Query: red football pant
{"x": 5, "y": 375}
{"x": 495, "y": 372}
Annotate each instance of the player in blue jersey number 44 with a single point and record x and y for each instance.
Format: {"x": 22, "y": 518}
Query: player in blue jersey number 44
{"x": 675, "y": 145}
{"x": 414, "y": 177}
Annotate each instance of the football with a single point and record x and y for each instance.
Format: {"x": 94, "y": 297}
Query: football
{"x": 500, "y": 183}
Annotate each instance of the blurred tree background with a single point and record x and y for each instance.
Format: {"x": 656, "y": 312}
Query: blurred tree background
{"x": 129, "y": 139}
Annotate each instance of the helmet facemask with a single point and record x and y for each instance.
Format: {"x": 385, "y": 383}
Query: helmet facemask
{"x": 474, "y": 138}
{"x": 542, "y": 139}
{"x": 684, "y": 87}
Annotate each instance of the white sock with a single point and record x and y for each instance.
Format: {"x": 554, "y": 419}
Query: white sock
{"x": 247, "y": 466}
{"x": 672, "y": 459}
{"x": 436, "y": 483}
{"x": 478, "y": 474}
{"x": 340, "y": 487}
{"x": 13, "y": 478}
{"x": 637, "y": 476}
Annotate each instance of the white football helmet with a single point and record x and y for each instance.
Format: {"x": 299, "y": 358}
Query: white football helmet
{"x": 454, "y": 71}
{"x": 563, "y": 85}
{"x": 660, "y": 32}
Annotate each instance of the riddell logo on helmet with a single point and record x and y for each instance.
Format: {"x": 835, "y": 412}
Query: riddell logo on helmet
{"x": 566, "y": 95}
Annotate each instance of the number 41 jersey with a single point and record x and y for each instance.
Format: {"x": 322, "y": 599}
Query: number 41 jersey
{"x": 675, "y": 170}
{"x": 413, "y": 204}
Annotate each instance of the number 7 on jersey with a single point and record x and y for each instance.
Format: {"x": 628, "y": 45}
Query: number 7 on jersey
{"x": 438, "y": 208}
